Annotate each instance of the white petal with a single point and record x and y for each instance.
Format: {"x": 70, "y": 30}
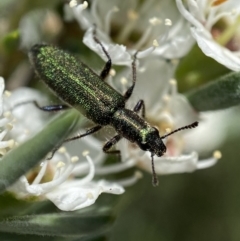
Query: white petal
{"x": 182, "y": 111}
{"x": 31, "y": 123}
{"x": 70, "y": 196}
{"x": 212, "y": 49}
{"x": 118, "y": 53}
{"x": 206, "y": 163}
{"x": 180, "y": 164}
{"x": 2, "y": 87}
{"x": 82, "y": 15}
{"x": 188, "y": 15}
{"x": 23, "y": 188}
{"x": 210, "y": 133}
{"x": 178, "y": 43}
{"x": 152, "y": 82}
{"x": 169, "y": 165}
{"x": 175, "y": 48}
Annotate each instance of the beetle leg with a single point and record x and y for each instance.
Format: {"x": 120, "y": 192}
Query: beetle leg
{"x": 88, "y": 132}
{"x": 108, "y": 64}
{"x": 110, "y": 144}
{"x": 140, "y": 106}
{"x": 128, "y": 93}
{"x": 48, "y": 108}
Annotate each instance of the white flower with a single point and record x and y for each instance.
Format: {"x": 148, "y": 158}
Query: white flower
{"x": 168, "y": 110}
{"x": 5, "y": 124}
{"x": 124, "y": 28}
{"x": 40, "y": 25}
{"x": 52, "y": 179}
{"x": 66, "y": 193}
{"x": 27, "y": 119}
{"x": 203, "y": 16}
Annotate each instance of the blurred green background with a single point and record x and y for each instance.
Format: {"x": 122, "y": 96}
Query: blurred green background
{"x": 203, "y": 205}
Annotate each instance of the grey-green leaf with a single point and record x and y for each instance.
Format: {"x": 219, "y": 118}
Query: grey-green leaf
{"x": 61, "y": 225}
{"x": 21, "y": 159}
{"x": 219, "y": 94}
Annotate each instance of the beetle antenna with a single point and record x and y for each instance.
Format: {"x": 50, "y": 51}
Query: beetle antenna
{"x": 193, "y": 125}
{"x": 154, "y": 175}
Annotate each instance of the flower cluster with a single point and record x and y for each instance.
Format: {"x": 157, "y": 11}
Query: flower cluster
{"x": 219, "y": 44}
{"x": 52, "y": 179}
{"x": 160, "y": 37}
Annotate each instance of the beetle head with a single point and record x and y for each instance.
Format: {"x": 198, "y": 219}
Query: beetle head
{"x": 152, "y": 142}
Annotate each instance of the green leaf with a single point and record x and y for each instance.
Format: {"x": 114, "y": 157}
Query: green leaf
{"x": 219, "y": 94}
{"x": 20, "y": 237}
{"x": 197, "y": 69}
{"x": 61, "y": 225}
{"x": 11, "y": 41}
{"x": 21, "y": 159}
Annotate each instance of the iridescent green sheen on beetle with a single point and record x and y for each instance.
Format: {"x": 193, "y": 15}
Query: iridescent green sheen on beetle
{"x": 78, "y": 86}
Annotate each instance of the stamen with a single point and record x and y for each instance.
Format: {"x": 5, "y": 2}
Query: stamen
{"x": 132, "y": 15}
{"x": 58, "y": 178}
{"x": 90, "y": 195}
{"x": 7, "y": 114}
{"x": 9, "y": 126}
{"x": 91, "y": 173}
{"x": 146, "y": 52}
{"x": 5, "y": 144}
{"x": 175, "y": 62}
{"x": 74, "y": 159}
{"x": 168, "y": 22}
{"x": 144, "y": 38}
{"x": 123, "y": 81}
{"x": 7, "y": 93}
{"x": 147, "y": 33}
{"x": 2, "y": 152}
{"x": 60, "y": 164}
{"x": 173, "y": 86}
{"x": 155, "y": 21}
{"x": 11, "y": 143}
{"x": 3, "y": 122}
{"x": 166, "y": 99}
{"x": 95, "y": 14}
{"x": 80, "y": 16}
{"x": 155, "y": 43}
{"x": 217, "y": 154}
{"x": 73, "y": 3}
{"x": 126, "y": 182}
{"x": 62, "y": 150}
{"x": 168, "y": 130}
{"x": 218, "y": 2}
{"x": 108, "y": 19}
{"x": 210, "y": 161}
{"x": 3, "y": 134}
{"x": 41, "y": 173}
{"x": 127, "y": 30}
{"x": 163, "y": 38}
{"x": 85, "y": 153}
{"x": 112, "y": 72}
{"x": 115, "y": 168}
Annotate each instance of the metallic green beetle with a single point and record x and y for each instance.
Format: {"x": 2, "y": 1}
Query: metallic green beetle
{"x": 81, "y": 88}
